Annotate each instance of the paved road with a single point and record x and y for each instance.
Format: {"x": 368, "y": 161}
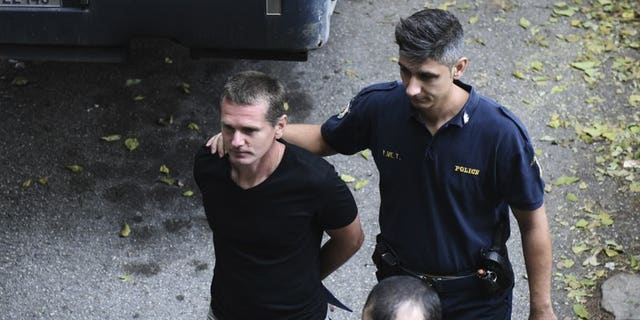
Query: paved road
{"x": 61, "y": 256}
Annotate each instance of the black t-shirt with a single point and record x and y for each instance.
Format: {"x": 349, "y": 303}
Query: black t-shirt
{"x": 267, "y": 238}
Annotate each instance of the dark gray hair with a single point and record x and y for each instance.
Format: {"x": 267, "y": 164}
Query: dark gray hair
{"x": 431, "y": 34}
{"x": 386, "y": 296}
{"x": 249, "y": 87}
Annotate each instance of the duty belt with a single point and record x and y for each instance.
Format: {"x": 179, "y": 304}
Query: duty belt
{"x": 443, "y": 284}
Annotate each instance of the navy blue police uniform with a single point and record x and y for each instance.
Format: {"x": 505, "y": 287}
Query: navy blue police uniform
{"x": 444, "y": 196}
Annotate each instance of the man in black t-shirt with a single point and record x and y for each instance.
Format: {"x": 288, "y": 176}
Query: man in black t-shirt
{"x": 268, "y": 204}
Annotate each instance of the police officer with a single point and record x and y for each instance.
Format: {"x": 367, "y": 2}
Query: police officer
{"x": 452, "y": 164}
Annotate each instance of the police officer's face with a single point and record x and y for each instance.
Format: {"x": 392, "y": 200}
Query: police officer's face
{"x": 427, "y": 84}
{"x": 246, "y": 133}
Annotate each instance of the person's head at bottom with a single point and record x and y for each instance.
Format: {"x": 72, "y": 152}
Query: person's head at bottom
{"x": 402, "y": 298}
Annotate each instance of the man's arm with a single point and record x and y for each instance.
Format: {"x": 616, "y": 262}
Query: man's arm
{"x": 308, "y": 136}
{"x": 343, "y": 243}
{"x": 536, "y": 247}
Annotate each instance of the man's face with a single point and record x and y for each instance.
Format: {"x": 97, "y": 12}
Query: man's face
{"x": 246, "y": 133}
{"x": 427, "y": 84}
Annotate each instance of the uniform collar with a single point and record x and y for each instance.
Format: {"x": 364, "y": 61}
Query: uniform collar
{"x": 464, "y": 116}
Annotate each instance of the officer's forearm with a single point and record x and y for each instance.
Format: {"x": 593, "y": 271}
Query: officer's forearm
{"x": 307, "y": 136}
{"x": 536, "y": 247}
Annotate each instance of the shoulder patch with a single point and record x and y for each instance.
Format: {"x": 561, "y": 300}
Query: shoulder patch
{"x": 344, "y": 111}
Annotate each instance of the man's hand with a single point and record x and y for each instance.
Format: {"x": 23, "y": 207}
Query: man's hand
{"x": 216, "y": 145}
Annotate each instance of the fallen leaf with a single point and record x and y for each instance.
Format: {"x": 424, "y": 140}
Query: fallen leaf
{"x": 164, "y": 169}
{"x": 592, "y": 260}
{"x": 347, "y": 178}
{"x": 74, "y": 168}
{"x": 605, "y": 218}
{"x": 351, "y": 73}
{"x": 611, "y": 244}
{"x": 518, "y": 74}
{"x": 572, "y": 197}
{"x": 167, "y": 181}
{"x": 537, "y": 66}
{"x": 572, "y": 38}
{"x": 361, "y": 184}
{"x": 125, "y": 231}
{"x": 554, "y": 122}
{"x": 132, "y": 82}
{"x": 634, "y": 100}
{"x": 27, "y": 183}
{"x": 565, "y": 180}
{"x": 565, "y": 264}
{"x": 633, "y": 263}
{"x": 524, "y": 23}
{"x": 582, "y": 223}
{"x": 446, "y": 5}
{"x": 610, "y": 253}
{"x": 111, "y": 138}
{"x": 188, "y": 193}
{"x": 547, "y": 138}
{"x": 366, "y": 153}
{"x": 285, "y": 106}
{"x": 19, "y": 81}
{"x": 580, "y": 248}
{"x": 474, "y": 20}
{"x": 585, "y": 65}
{"x": 193, "y": 126}
{"x": 562, "y": 9}
{"x": 184, "y": 87}
{"x": 168, "y": 60}
{"x": 43, "y": 180}
{"x": 138, "y": 98}
{"x": 126, "y": 278}
{"x": 131, "y": 143}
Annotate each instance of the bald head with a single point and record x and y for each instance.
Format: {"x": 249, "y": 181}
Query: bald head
{"x": 402, "y": 298}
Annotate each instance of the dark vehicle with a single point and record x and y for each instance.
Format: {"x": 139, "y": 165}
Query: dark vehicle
{"x": 102, "y": 30}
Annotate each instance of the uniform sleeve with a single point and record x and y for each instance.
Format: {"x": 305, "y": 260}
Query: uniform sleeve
{"x": 348, "y": 132}
{"x": 338, "y": 206}
{"x": 520, "y": 175}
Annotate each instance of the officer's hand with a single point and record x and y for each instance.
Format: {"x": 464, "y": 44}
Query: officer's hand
{"x": 216, "y": 145}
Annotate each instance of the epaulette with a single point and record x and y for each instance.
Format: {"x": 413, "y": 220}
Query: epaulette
{"x": 384, "y": 86}
{"x": 507, "y": 113}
